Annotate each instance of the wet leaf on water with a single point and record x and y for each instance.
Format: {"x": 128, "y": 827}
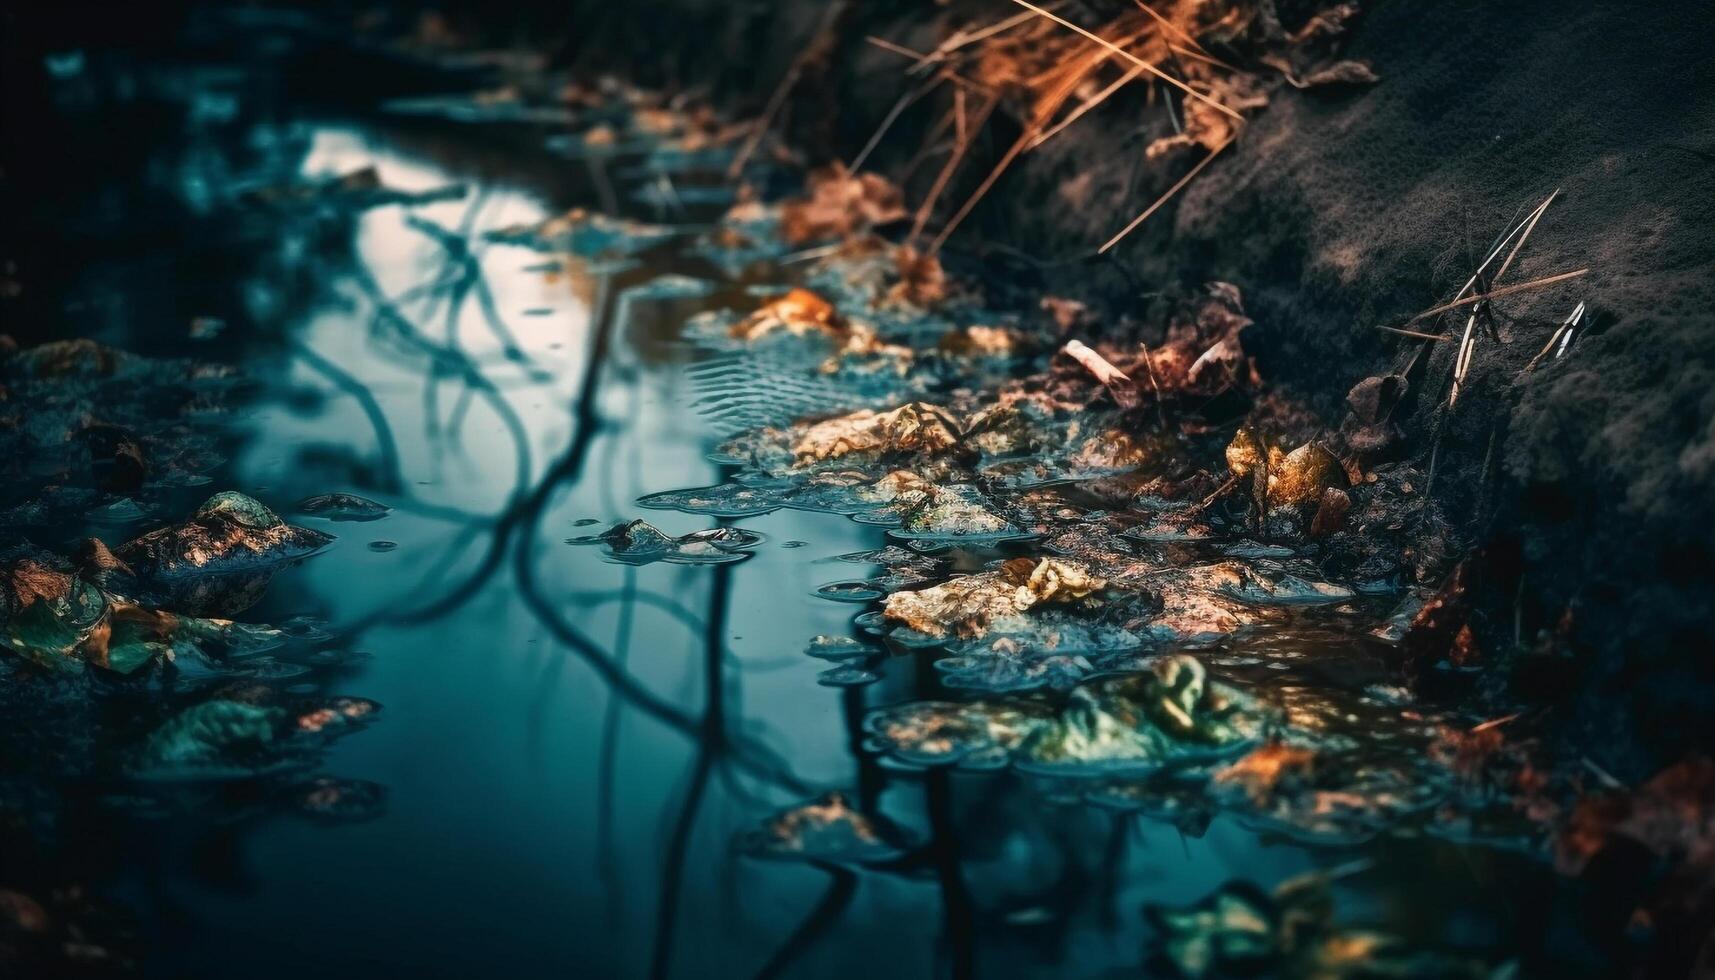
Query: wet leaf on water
{"x": 847, "y": 676}
{"x": 586, "y": 234}
{"x": 939, "y": 733}
{"x": 213, "y": 740}
{"x": 640, "y": 543}
{"x": 1240, "y": 930}
{"x": 51, "y": 615}
{"x": 850, "y": 591}
{"x": 827, "y": 830}
{"x": 913, "y": 428}
{"x": 840, "y": 649}
{"x": 1171, "y": 715}
{"x": 343, "y": 507}
{"x": 339, "y": 800}
{"x": 838, "y": 204}
{"x": 723, "y": 500}
{"x": 972, "y": 605}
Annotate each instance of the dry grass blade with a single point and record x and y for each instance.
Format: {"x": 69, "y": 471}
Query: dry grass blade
{"x": 1167, "y": 25}
{"x": 777, "y": 99}
{"x": 1134, "y": 59}
{"x": 1085, "y": 106}
{"x": 1530, "y": 227}
{"x": 1563, "y": 331}
{"x": 960, "y": 146}
{"x": 1163, "y": 199}
{"x": 1498, "y": 293}
{"x": 1462, "y": 365}
{"x": 887, "y": 121}
{"x": 900, "y": 49}
{"x": 1420, "y": 335}
{"x": 1070, "y": 78}
{"x": 960, "y": 39}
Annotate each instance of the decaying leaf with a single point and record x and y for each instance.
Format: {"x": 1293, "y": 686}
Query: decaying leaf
{"x": 970, "y": 605}
{"x": 918, "y": 427}
{"x": 839, "y": 204}
{"x": 827, "y": 829}
{"x": 641, "y": 543}
{"x": 1263, "y": 768}
{"x": 1299, "y": 478}
{"x": 798, "y": 312}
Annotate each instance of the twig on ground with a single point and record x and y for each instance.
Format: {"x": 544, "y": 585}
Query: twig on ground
{"x": 1163, "y": 199}
{"x": 1562, "y": 335}
{"x": 1116, "y": 381}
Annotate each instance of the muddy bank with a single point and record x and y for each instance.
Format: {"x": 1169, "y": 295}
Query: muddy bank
{"x": 1585, "y": 485}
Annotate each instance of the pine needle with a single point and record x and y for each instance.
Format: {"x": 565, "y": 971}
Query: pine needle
{"x": 1134, "y": 59}
{"x": 1086, "y": 106}
{"x": 960, "y": 146}
{"x": 1498, "y": 293}
{"x": 1163, "y": 199}
{"x": 1413, "y": 333}
{"x": 1540, "y": 211}
{"x": 887, "y": 121}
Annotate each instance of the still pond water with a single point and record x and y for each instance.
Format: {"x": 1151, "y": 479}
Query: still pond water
{"x": 571, "y": 752}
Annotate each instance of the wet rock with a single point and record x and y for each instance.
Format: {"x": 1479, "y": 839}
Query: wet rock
{"x": 228, "y": 533}
{"x": 343, "y": 507}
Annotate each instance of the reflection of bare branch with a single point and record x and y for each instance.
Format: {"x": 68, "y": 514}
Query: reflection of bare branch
{"x": 471, "y": 280}
{"x": 959, "y": 920}
{"x": 817, "y": 923}
{"x": 674, "y": 871}
{"x": 448, "y": 362}
{"x": 384, "y": 442}
{"x": 714, "y": 735}
{"x": 605, "y": 767}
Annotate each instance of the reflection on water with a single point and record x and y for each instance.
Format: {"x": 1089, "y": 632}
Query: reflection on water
{"x": 611, "y": 760}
